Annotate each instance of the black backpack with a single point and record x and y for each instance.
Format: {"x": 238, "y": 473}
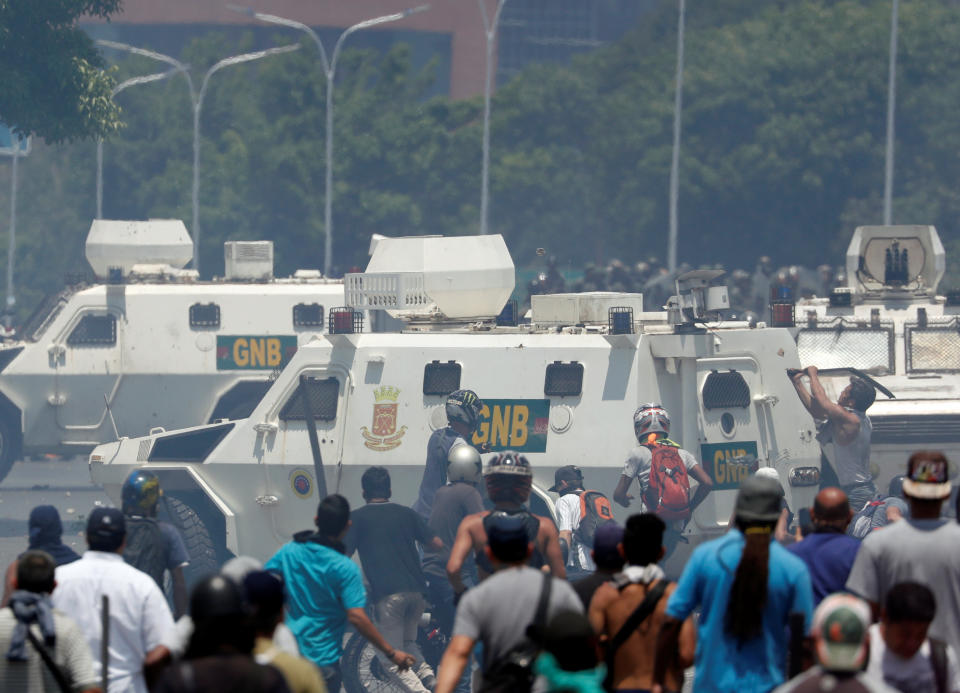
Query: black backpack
{"x": 145, "y": 549}
{"x": 595, "y": 510}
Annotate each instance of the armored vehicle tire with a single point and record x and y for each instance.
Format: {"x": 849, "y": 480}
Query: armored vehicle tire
{"x": 363, "y": 671}
{"x": 8, "y": 446}
{"x": 196, "y": 538}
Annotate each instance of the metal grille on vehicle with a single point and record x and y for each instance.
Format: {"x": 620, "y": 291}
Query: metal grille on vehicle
{"x": 191, "y": 446}
{"x": 916, "y": 430}
{"x": 204, "y": 315}
{"x": 308, "y": 315}
{"x": 725, "y": 391}
{"x": 94, "y": 329}
{"x": 441, "y": 378}
{"x": 869, "y": 349}
{"x": 933, "y": 349}
{"x": 563, "y": 379}
{"x": 324, "y": 394}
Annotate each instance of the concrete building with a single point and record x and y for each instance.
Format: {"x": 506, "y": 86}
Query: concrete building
{"x": 451, "y": 32}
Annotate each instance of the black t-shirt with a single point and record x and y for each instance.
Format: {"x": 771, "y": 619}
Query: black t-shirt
{"x": 386, "y": 535}
{"x": 227, "y": 673}
{"x": 587, "y": 587}
{"x": 452, "y": 503}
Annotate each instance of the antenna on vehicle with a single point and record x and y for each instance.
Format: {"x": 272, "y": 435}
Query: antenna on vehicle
{"x": 113, "y": 423}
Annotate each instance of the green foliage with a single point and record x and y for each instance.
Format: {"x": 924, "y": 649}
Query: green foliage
{"x": 54, "y": 85}
{"x": 782, "y": 154}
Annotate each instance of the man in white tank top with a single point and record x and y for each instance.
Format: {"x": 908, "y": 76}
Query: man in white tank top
{"x": 844, "y": 431}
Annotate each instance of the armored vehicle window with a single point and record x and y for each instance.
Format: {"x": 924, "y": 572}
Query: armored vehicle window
{"x": 192, "y": 446}
{"x": 725, "y": 391}
{"x": 204, "y": 315}
{"x": 94, "y": 329}
{"x": 441, "y": 378}
{"x": 563, "y": 379}
{"x": 308, "y": 315}
{"x": 869, "y": 349}
{"x": 324, "y": 394}
{"x": 933, "y": 349}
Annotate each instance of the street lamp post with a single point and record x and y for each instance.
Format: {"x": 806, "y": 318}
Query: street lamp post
{"x": 329, "y": 70}
{"x": 145, "y": 79}
{"x": 490, "y": 30}
{"x": 197, "y": 106}
{"x": 891, "y": 104}
{"x": 675, "y": 161}
{"x": 196, "y": 101}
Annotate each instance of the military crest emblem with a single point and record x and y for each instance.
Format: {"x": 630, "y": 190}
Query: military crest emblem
{"x": 383, "y": 434}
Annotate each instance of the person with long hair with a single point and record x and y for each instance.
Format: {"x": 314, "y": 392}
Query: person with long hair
{"x": 747, "y": 587}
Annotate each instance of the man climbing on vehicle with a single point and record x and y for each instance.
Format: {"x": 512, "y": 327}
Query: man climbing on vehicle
{"x": 463, "y": 409}
{"x": 508, "y": 478}
{"x": 152, "y": 546}
{"x": 844, "y": 432}
{"x": 662, "y": 470}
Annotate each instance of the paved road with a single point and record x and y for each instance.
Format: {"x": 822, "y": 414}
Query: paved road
{"x": 64, "y": 484}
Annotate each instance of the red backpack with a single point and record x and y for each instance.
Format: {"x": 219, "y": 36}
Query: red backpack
{"x": 668, "y": 494}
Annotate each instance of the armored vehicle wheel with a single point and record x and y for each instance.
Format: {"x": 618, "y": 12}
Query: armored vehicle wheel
{"x": 8, "y": 446}
{"x": 200, "y": 548}
{"x": 363, "y": 671}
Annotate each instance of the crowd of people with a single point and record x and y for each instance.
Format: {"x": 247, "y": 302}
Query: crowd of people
{"x": 860, "y": 592}
{"x": 749, "y": 290}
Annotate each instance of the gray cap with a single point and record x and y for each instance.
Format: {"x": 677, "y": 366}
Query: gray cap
{"x": 759, "y": 500}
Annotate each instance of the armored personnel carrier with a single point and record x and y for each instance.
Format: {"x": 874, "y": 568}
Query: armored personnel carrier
{"x": 148, "y": 346}
{"x": 561, "y": 389}
{"x": 890, "y": 323}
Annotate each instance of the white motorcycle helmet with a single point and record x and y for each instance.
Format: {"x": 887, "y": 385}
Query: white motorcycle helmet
{"x": 464, "y": 464}
{"x": 650, "y": 418}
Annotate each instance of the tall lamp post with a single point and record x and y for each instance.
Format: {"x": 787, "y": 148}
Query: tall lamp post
{"x": 145, "y": 79}
{"x": 196, "y": 100}
{"x": 675, "y": 161}
{"x": 891, "y": 104}
{"x": 329, "y": 69}
{"x": 490, "y": 30}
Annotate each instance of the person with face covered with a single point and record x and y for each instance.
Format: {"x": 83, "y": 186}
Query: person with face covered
{"x": 45, "y": 531}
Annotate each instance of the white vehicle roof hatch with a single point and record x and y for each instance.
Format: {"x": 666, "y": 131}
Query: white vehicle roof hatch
{"x": 122, "y": 245}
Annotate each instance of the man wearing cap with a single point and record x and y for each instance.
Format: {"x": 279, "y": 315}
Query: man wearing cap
{"x": 568, "y": 483}
{"x": 139, "y": 618}
{"x": 746, "y": 586}
{"x": 608, "y": 559}
{"x": 499, "y": 610}
{"x": 841, "y": 642}
{"x": 921, "y": 548}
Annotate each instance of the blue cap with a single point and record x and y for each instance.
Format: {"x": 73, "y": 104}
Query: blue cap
{"x": 106, "y": 523}
{"x": 605, "y": 541}
{"x": 506, "y": 528}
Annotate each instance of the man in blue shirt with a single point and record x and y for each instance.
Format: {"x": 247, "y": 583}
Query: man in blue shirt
{"x": 746, "y": 586}
{"x": 828, "y": 552}
{"x": 325, "y": 591}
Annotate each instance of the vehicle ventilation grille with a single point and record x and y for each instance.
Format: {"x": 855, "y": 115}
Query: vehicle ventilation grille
{"x": 563, "y": 379}
{"x": 144, "y": 452}
{"x": 190, "y": 446}
{"x": 725, "y": 391}
{"x": 915, "y": 430}
{"x": 441, "y": 378}
{"x": 324, "y": 395}
{"x": 94, "y": 330}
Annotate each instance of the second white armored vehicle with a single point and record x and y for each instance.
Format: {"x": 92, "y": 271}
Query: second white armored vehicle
{"x": 890, "y": 323}
{"x": 561, "y": 390}
{"x": 148, "y": 345}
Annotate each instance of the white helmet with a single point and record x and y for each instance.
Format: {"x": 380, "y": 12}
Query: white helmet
{"x": 464, "y": 464}
{"x": 650, "y": 418}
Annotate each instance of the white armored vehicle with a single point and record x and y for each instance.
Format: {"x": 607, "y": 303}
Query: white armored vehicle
{"x": 889, "y": 323}
{"x": 561, "y": 390}
{"x": 151, "y": 346}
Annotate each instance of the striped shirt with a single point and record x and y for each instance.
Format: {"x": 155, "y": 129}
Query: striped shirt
{"x": 71, "y": 654}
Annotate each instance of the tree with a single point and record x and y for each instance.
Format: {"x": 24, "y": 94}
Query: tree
{"x": 54, "y": 85}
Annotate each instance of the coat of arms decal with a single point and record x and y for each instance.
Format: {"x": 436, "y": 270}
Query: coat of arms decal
{"x": 383, "y": 434}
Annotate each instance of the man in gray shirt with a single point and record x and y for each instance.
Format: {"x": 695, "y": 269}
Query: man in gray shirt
{"x": 498, "y": 611}
{"x": 921, "y": 548}
{"x": 844, "y": 432}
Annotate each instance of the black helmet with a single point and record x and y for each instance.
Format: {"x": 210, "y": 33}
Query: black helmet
{"x": 464, "y": 407}
{"x": 216, "y": 597}
{"x": 141, "y": 491}
{"x": 896, "y": 486}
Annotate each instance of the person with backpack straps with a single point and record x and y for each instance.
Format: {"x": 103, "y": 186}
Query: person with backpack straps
{"x": 152, "y": 546}
{"x": 580, "y": 512}
{"x": 627, "y": 612}
{"x": 663, "y": 470}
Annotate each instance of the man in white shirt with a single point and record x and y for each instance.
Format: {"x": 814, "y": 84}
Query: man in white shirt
{"x": 568, "y": 482}
{"x": 900, "y": 651}
{"x": 139, "y": 615}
